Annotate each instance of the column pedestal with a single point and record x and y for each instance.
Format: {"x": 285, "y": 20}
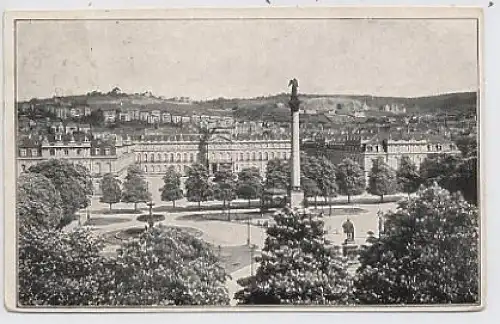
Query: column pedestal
{"x": 296, "y": 198}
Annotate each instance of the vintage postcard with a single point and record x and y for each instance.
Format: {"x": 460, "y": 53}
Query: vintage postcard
{"x": 287, "y": 159}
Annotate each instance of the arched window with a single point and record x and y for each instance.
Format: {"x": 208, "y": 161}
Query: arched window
{"x": 165, "y": 167}
{"x": 23, "y": 167}
{"x": 138, "y": 157}
{"x": 145, "y": 156}
{"x": 266, "y": 156}
{"x": 165, "y": 157}
{"x": 98, "y": 168}
{"x": 158, "y": 157}
{"x": 247, "y": 156}
{"x": 178, "y": 157}
{"x": 253, "y": 156}
{"x": 171, "y": 157}
{"x": 272, "y": 155}
{"x": 191, "y": 157}
{"x": 185, "y": 157}
{"x": 228, "y": 156}
{"x": 260, "y": 156}
{"x": 145, "y": 168}
{"x": 241, "y": 156}
{"x": 109, "y": 166}
{"x": 152, "y": 157}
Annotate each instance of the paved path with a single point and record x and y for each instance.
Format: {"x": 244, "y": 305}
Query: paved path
{"x": 232, "y": 285}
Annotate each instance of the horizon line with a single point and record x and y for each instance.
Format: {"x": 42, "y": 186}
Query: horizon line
{"x": 255, "y": 97}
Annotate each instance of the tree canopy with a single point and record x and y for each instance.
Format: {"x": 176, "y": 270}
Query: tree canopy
{"x": 167, "y": 266}
{"x": 38, "y": 203}
{"x": 249, "y": 184}
{"x": 111, "y": 189}
{"x": 382, "y": 179}
{"x": 350, "y": 178}
{"x": 408, "y": 177}
{"x": 428, "y": 253}
{"x": 135, "y": 187}
{"x": 198, "y": 185}
{"x": 297, "y": 266}
{"x": 73, "y": 182}
{"x": 171, "y": 190}
{"x": 224, "y": 186}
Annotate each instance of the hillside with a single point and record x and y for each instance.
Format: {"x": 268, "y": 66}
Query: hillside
{"x": 274, "y": 108}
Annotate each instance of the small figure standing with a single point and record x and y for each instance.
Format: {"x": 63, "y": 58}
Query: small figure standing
{"x": 348, "y": 228}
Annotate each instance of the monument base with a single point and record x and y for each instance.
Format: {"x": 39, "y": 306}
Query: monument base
{"x": 296, "y": 198}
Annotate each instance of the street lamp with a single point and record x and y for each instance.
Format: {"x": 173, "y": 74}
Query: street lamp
{"x": 248, "y": 230}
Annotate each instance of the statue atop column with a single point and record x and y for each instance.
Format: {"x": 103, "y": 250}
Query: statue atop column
{"x": 294, "y": 99}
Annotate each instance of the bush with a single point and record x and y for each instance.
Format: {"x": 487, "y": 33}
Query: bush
{"x": 156, "y": 217}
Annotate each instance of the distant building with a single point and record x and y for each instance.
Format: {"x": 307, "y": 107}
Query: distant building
{"x": 363, "y": 148}
{"x": 98, "y": 156}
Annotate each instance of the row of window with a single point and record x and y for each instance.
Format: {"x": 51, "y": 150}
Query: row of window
{"x": 97, "y": 151}
{"x": 191, "y": 157}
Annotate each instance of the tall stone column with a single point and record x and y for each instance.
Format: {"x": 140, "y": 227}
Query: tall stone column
{"x": 296, "y": 193}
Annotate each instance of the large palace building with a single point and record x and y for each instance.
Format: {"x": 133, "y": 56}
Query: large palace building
{"x": 156, "y": 153}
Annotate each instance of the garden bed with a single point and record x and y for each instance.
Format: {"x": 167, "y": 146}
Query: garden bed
{"x": 156, "y": 218}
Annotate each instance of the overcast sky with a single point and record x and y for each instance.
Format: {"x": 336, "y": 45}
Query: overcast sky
{"x": 246, "y": 58}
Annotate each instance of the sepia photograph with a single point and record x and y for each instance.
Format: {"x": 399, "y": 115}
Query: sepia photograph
{"x": 243, "y": 159}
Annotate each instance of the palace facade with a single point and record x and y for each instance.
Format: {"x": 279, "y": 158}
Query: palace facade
{"x": 155, "y": 154}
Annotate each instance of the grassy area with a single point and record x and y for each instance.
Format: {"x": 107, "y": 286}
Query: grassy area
{"x": 103, "y": 221}
{"x": 257, "y": 215}
{"x": 224, "y": 216}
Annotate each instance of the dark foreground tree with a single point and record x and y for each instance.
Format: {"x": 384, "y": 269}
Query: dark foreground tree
{"x": 350, "y": 179}
{"x": 198, "y": 185}
{"x": 111, "y": 190}
{"x": 73, "y": 182}
{"x": 382, "y": 179}
{"x": 38, "y": 203}
{"x": 171, "y": 190}
{"x": 428, "y": 254}
{"x": 408, "y": 176}
{"x": 297, "y": 266}
{"x": 58, "y": 268}
{"x": 135, "y": 187}
{"x": 168, "y": 266}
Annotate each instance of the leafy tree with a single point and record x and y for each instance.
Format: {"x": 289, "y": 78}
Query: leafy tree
{"x": 382, "y": 179}
{"x": 297, "y": 266}
{"x": 310, "y": 170}
{"x": 73, "y": 182}
{"x": 278, "y": 175}
{"x": 467, "y": 144}
{"x": 198, "y": 186}
{"x": 350, "y": 179}
{"x": 428, "y": 254}
{"x": 135, "y": 187}
{"x": 58, "y": 268}
{"x": 167, "y": 266}
{"x": 38, "y": 203}
{"x": 249, "y": 185}
{"x": 408, "y": 176}
{"x": 111, "y": 190}
{"x": 327, "y": 181}
{"x": 171, "y": 190}
{"x": 225, "y": 187}
{"x": 452, "y": 172}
